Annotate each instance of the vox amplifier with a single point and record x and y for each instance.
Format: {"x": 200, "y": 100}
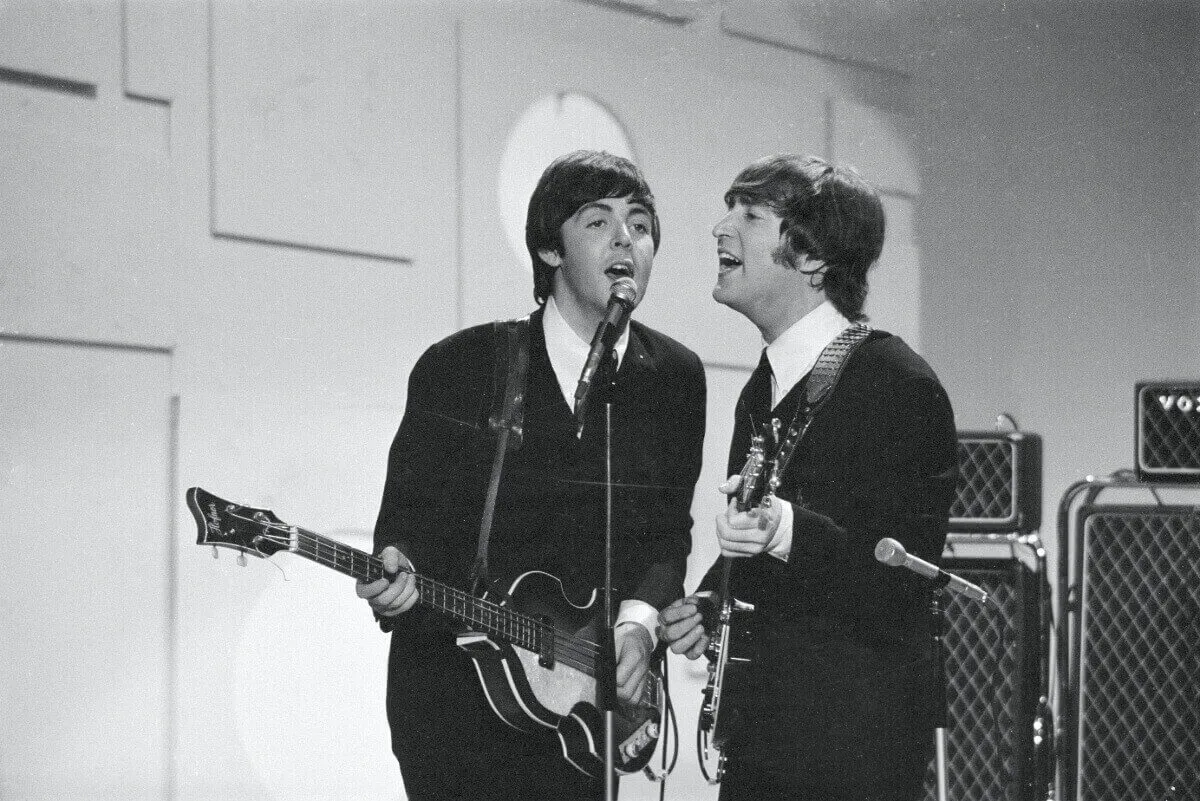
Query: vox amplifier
{"x": 999, "y": 482}
{"x": 1168, "y": 431}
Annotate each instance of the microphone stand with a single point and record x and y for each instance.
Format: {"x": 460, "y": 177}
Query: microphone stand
{"x": 608, "y": 642}
{"x": 937, "y": 693}
{"x": 606, "y": 668}
{"x": 937, "y": 685}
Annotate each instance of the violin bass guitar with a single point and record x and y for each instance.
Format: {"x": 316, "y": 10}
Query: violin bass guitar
{"x": 534, "y": 651}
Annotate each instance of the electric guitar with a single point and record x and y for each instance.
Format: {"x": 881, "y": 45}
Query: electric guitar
{"x": 715, "y": 724}
{"x": 535, "y": 652}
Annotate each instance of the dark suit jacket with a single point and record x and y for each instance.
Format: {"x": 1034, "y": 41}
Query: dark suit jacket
{"x": 550, "y": 511}
{"x": 877, "y": 461}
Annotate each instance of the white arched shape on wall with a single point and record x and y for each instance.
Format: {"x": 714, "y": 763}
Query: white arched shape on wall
{"x": 551, "y": 126}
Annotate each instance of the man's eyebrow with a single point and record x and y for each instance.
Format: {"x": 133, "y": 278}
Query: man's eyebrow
{"x": 635, "y": 207}
{"x": 595, "y": 204}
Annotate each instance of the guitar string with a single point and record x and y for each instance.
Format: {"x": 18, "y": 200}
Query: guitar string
{"x": 577, "y": 652}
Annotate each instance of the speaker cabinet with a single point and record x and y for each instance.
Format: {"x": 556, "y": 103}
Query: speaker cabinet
{"x": 995, "y": 658}
{"x": 1168, "y": 431}
{"x": 1134, "y": 695}
{"x": 999, "y": 482}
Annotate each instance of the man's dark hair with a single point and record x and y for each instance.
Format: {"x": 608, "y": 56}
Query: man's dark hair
{"x": 829, "y": 214}
{"x": 567, "y": 184}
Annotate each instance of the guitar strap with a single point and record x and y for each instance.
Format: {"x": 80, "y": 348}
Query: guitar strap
{"x": 507, "y": 421}
{"x": 821, "y": 381}
{"x": 831, "y": 363}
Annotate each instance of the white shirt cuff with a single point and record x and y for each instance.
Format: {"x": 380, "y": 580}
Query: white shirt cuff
{"x": 642, "y": 613}
{"x": 781, "y": 543}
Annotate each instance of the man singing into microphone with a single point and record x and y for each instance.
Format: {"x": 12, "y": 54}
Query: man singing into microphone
{"x": 840, "y": 701}
{"x": 591, "y": 225}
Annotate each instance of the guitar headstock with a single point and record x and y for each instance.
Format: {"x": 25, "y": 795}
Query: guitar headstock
{"x": 750, "y": 491}
{"x": 222, "y": 523}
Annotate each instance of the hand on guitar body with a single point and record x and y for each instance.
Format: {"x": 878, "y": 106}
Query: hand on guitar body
{"x": 394, "y": 596}
{"x": 634, "y": 646}
{"x": 686, "y": 623}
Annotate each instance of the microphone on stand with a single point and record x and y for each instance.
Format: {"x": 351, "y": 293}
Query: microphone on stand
{"x": 621, "y": 301}
{"x": 892, "y": 553}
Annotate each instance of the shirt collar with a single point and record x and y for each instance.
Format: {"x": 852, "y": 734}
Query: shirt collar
{"x": 568, "y": 351}
{"x": 794, "y": 352}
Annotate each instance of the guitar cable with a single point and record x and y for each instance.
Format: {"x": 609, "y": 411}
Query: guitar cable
{"x": 669, "y": 714}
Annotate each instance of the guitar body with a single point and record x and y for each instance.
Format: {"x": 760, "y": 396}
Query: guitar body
{"x": 528, "y": 694}
{"x": 732, "y": 652}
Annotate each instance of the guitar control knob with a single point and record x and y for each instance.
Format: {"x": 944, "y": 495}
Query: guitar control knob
{"x": 713, "y": 651}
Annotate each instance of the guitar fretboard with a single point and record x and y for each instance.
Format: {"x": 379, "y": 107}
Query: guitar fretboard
{"x": 513, "y": 627}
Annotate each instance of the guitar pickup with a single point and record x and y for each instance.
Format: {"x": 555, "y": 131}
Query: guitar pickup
{"x": 545, "y": 644}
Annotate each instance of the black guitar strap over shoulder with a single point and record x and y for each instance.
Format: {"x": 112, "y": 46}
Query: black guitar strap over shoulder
{"x": 830, "y": 364}
{"x": 507, "y": 421}
{"x": 821, "y": 381}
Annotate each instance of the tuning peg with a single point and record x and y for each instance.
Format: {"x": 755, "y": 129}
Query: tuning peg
{"x": 241, "y": 559}
{"x": 216, "y": 553}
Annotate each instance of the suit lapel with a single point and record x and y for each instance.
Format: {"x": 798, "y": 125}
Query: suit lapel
{"x": 638, "y": 377}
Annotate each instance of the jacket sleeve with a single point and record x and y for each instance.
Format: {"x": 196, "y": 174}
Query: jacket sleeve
{"x": 437, "y": 427}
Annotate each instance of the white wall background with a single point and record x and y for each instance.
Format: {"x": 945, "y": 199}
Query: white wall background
{"x": 230, "y": 228}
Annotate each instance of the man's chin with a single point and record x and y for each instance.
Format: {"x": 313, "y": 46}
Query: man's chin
{"x": 724, "y": 296}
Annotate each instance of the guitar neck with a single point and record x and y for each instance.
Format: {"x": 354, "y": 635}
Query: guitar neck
{"x": 478, "y": 613}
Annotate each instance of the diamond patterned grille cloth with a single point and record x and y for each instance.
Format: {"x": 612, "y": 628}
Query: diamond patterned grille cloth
{"x": 1170, "y": 438}
{"x": 991, "y": 669}
{"x": 985, "y": 479}
{"x": 1140, "y": 683}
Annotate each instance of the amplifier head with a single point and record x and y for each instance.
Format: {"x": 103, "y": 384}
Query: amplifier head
{"x": 999, "y": 482}
{"x": 1168, "y": 431}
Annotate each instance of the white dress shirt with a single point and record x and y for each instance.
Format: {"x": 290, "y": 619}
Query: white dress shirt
{"x": 793, "y": 355}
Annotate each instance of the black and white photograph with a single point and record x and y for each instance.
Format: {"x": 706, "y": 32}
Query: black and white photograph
{"x": 663, "y": 400}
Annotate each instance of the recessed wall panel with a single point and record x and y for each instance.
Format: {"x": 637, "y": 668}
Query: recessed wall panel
{"x": 85, "y": 602}
{"x": 894, "y": 296}
{"x": 878, "y": 142}
{"x": 332, "y": 127}
{"x": 88, "y": 237}
{"x": 73, "y": 41}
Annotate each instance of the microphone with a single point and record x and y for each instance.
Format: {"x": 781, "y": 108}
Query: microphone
{"x": 892, "y": 553}
{"x": 621, "y": 301}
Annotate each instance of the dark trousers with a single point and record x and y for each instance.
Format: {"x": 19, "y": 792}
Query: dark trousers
{"x": 750, "y": 781}
{"x": 837, "y": 720}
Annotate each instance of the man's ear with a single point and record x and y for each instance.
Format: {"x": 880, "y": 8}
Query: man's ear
{"x": 551, "y": 257}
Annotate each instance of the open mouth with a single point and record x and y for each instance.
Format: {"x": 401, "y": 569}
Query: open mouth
{"x": 727, "y": 261}
{"x": 619, "y": 270}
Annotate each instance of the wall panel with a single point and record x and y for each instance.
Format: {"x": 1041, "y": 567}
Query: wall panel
{"x": 333, "y": 127}
{"x": 894, "y": 299}
{"x": 73, "y": 41}
{"x": 85, "y": 605}
{"x": 87, "y": 234}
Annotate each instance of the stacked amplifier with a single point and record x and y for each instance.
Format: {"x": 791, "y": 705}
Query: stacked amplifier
{"x": 1130, "y": 623}
{"x": 999, "y": 726}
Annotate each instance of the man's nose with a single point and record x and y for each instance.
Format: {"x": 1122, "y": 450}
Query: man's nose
{"x": 621, "y": 237}
{"x": 722, "y": 226}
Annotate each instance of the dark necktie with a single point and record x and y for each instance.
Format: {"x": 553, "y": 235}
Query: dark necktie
{"x": 602, "y": 382}
{"x": 758, "y": 390}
